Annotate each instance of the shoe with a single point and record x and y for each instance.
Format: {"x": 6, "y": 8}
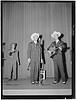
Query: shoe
{"x": 36, "y": 82}
{"x": 40, "y": 83}
{"x": 33, "y": 82}
{"x": 15, "y": 79}
{"x": 9, "y": 79}
{"x": 55, "y": 82}
{"x": 64, "y": 82}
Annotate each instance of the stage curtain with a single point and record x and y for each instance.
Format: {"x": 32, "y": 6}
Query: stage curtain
{"x": 21, "y": 19}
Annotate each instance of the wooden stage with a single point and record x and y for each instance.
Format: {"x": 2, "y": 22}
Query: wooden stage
{"x": 24, "y": 87}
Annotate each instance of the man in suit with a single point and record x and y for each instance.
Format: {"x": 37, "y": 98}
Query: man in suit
{"x": 57, "y": 48}
{"x": 34, "y": 58}
{"x": 14, "y": 61}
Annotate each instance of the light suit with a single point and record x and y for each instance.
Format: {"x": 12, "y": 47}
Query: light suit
{"x": 34, "y": 53}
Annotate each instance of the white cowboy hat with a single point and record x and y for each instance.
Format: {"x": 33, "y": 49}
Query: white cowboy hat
{"x": 34, "y": 34}
{"x": 55, "y": 34}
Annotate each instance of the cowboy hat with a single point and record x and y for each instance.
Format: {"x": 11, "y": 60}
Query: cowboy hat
{"x": 55, "y": 34}
{"x": 34, "y": 34}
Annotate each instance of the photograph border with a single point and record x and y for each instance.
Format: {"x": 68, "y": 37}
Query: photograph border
{"x": 73, "y": 60}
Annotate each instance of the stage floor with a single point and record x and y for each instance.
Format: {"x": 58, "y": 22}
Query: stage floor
{"x": 24, "y": 87}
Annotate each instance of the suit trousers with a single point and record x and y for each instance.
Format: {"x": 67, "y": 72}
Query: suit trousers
{"x": 12, "y": 69}
{"x": 34, "y": 70}
{"x": 58, "y": 64}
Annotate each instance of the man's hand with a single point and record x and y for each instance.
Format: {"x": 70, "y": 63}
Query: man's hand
{"x": 49, "y": 51}
{"x": 41, "y": 61}
{"x": 60, "y": 48}
{"x": 29, "y": 60}
{"x": 28, "y": 69}
{"x": 19, "y": 63}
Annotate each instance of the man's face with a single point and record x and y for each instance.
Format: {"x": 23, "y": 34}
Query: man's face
{"x": 12, "y": 47}
{"x": 35, "y": 38}
{"x": 55, "y": 37}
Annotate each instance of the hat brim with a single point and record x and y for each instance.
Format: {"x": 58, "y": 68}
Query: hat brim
{"x": 58, "y": 34}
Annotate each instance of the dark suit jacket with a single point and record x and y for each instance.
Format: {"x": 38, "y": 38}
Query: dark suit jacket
{"x": 59, "y": 44}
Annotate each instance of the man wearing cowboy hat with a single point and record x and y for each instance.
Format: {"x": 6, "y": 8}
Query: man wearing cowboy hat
{"x": 34, "y": 56}
{"x": 57, "y": 46}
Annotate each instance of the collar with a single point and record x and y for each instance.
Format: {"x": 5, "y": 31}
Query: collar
{"x": 57, "y": 41}
{"x": 35, "y": 42}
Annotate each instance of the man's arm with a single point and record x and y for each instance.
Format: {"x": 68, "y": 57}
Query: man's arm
{"x": 8, "y": 54}
{"x": 62, "y": 46}
{"x": 29, "y": 52}
{"x": 52, "y": 45}
{"x": 18, "y": 58}
{"x": 41, "y": 54}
